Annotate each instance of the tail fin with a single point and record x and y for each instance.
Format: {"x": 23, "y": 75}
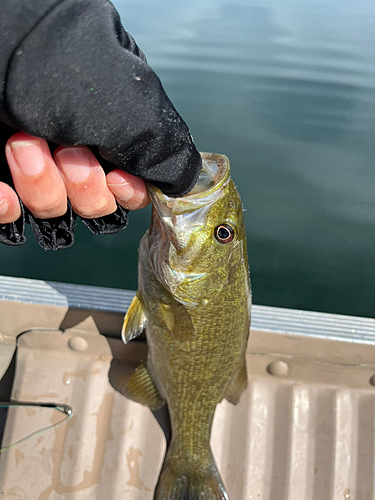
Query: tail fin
{"x": 191, "y": 485}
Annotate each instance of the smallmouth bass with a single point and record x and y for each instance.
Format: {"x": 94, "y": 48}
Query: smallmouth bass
{"x": 194, "y": 302}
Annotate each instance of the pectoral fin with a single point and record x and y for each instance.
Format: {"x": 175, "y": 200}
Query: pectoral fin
{"x": 178, "y": 321}
{"x": 135, "y": 320}
{"x": 141, "y": 389}
{"x": 238, "y": 385}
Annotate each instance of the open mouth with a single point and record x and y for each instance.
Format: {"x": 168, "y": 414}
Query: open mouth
{"x": 214, "y": 174}
{"x": 206, "y": 179}
{"x": 214, "y": 168}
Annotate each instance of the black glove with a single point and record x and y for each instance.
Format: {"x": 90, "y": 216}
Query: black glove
{"x": 71, "y": 74}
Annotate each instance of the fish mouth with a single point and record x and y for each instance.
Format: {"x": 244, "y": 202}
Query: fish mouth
{"x": 214, "y": 175}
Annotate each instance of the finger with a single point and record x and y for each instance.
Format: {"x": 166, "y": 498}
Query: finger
{"x": 35, "y": 176}
{"x": 85, "y": 182}
{"x": 10, "y": 209}
{"x": 130, "y": 191}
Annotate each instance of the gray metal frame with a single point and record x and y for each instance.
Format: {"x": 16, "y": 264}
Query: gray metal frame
{"x": 108, "y": 306}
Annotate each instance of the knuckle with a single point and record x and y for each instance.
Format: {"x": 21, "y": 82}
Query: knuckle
{"x": 101, "y": 208}
{"x": 45, "y": 209}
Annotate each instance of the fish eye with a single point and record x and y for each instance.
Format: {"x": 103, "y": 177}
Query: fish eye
{"x": 224, "y": 233}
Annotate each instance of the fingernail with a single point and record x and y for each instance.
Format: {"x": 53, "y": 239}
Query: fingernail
{"x": 28, "y": 156}
{"x": 122, "y": 189}
{"x": 4, "y": 206}
{"x": 75, "y": 163}
{"x": 116, "y": 179}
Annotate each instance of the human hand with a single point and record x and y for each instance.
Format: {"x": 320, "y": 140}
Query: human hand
{"x": 44, "y": 183}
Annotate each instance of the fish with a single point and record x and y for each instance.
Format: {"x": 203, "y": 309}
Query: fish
{"x": 194, "y": 303}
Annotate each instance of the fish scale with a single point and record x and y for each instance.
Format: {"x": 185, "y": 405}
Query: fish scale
{"x": 194, "y": 301}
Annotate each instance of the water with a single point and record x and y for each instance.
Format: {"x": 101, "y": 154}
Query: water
{"x": 286, "y": 89}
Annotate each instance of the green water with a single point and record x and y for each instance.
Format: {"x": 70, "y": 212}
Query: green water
{"x": 286, "y": 89}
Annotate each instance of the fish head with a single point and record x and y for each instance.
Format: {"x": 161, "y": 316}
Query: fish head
{"x": 197, "y": 240}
